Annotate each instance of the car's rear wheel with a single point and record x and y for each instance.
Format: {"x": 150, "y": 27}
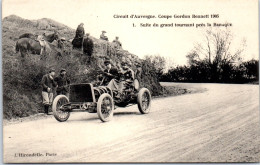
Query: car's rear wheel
{"x": 105, "y": 107}
{"x": 144, "y": 100}
{"x": 59, "y": 113}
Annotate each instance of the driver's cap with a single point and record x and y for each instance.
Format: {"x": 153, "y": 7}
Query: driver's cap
{"x": 107, "y": 62}
{"x": 62, "y": 70}
{"x": 51, "y": 70}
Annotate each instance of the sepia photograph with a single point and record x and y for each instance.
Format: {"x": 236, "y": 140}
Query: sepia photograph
{"x": 158, "y": 81}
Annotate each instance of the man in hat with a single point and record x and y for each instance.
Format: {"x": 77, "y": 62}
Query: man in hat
{"x": 48, "y": 84}
{"x": 77, "y": 41}
{"x": 61, "y": 42}
{"x": 42, "y": 42}
{"x": 126, "y": 79}
{"x": 110, "y": 73}
{"x": 103, "y": 36}
{"x": 117, "y": 43}
{"x": 80, "y": 32}
{"x": 88, "y": 46}
{"x": 63, "y": 83}
{"x": 127, "y": 72}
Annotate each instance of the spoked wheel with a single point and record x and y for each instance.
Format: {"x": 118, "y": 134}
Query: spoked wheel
{"x": 144, "y": 100}
{"x": 105, "y": 107}
{"x": 59, "y": 113}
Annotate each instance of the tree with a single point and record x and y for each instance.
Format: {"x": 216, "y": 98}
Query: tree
{"x": 216, "y": 52}
{"x": 157, "y": 61}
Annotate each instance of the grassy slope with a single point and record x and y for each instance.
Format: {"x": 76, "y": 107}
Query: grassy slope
{"x": 21, "y": 78}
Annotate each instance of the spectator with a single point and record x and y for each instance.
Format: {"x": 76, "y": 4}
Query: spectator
{"x": 88, "y": 47}
{"x": 63, "y": 83}
{"x": 117, "y": 43}
{"x": 77, "y": 41}
{"x": 103, "y": 36}
{"x": 41, "y": 40}
{"x": 80, "y": 32}
{"x": 48, "y": 84}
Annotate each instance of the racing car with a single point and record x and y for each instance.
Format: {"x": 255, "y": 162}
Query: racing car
{"x": 85, "y": 97}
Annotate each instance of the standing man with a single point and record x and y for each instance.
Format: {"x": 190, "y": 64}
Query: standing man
{"x": 42, "y": 43}
{"x": 103, "y": 36}
{"x": 77, "y": 41}
{"x": 117, "y": 43}
{"x": 63, "y": 83}
{"x": 61, "y": 43}
{"x": 48, "y": 85}
{"x": 105, "y": 45}
{"x": 88, "y": 47}
{"x": 80, "y": 32}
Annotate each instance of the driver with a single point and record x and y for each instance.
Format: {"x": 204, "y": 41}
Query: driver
{"x": 109, "y": 73}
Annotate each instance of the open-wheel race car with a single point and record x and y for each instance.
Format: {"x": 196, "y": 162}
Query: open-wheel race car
{"x": 102, "y": 100}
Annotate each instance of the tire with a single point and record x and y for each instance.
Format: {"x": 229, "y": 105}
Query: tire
{"x": 144, "y": 100}
{"x": 57, "y": 103}
{"x": 105, "y": 107}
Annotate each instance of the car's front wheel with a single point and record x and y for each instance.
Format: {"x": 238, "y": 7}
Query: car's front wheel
{"x": 105, "y": 107}
{"x": 59, "y": 113}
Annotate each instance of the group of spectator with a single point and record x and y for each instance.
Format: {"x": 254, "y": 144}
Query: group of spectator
{"x": 83, "y": 40}
{"x": 115, "y": 41}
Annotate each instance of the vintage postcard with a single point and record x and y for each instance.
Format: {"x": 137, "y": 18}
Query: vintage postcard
{"x": 158, "y": 81}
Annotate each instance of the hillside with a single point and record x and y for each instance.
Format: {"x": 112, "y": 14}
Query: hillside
{"x": 13, "y": 23}
{"x": 21, "y": 77}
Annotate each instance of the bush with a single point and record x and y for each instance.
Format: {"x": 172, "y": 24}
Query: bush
{"x": 150, "y": 79}
{"x": 202, "y": 72}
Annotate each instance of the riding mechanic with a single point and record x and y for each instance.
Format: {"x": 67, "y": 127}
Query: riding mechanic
{"x": 127, "y": 76}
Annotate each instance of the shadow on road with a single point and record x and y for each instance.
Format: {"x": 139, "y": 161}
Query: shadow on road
{"x": 125, "y": 113}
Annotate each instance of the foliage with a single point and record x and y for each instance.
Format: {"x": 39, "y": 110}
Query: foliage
{"x": 244, "y": 72}
{"x": 149, "y": 77}
{"x": 158, "y": 64}
{"x": 214, "y": 60}
{"x": 157, "y": 61}
{"x": 216, "y": 52}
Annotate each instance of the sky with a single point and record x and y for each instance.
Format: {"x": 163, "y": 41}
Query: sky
{"x": 173, "y": 43}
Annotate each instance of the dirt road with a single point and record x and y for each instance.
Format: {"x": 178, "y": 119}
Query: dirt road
{"x": 218, "y": 125}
